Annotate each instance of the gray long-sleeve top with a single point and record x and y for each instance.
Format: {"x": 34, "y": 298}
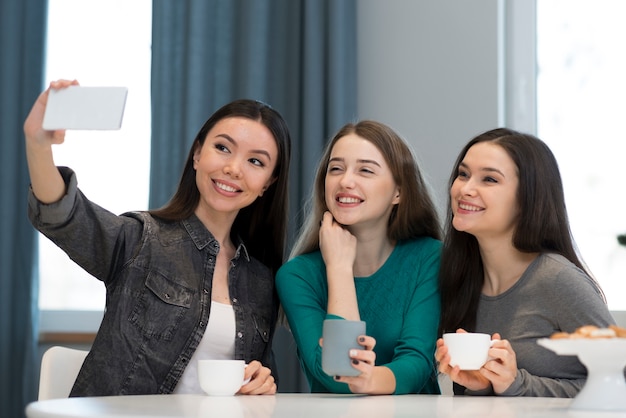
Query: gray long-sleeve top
{"x": 552, "y": 295}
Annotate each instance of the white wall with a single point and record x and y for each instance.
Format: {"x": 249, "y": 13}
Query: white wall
{"x": 430, "y": 70}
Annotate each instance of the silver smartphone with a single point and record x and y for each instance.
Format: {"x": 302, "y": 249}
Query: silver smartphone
{"x": 85, "y": 108}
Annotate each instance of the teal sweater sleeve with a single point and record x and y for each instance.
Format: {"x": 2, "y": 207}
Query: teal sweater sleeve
{"x": 303, "y": 291}
{"x": 400, "y": 304}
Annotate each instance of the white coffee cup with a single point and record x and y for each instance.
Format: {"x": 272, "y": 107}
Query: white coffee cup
{"x": 469, "y": 350}
{"x": 221, "y": 377}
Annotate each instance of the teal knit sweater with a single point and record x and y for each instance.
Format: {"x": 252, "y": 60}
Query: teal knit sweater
{"x": 400, "y": 304}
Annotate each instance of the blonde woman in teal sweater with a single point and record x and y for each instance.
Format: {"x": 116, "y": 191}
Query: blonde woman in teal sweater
{"x": 369, "y": 250}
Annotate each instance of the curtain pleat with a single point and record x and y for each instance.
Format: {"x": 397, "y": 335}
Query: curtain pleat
{"x": 298, "y": 56}
{"x": 22, "y": 35}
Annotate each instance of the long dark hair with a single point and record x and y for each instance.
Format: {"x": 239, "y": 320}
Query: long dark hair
{"x": 263, "y": 224}
{"x": 542, "y": 226}
{"x": 414, "y": 216}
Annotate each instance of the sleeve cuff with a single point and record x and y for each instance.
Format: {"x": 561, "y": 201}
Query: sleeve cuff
{"x": 331, "y": 316}
{"x": 57, "y": 212}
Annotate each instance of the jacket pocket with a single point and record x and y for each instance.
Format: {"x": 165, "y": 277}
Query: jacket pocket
{"x": 160, "y": 306}
{"x": 262, "y": 327}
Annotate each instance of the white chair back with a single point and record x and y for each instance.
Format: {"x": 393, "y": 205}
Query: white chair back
{"x": 59, "y": 369}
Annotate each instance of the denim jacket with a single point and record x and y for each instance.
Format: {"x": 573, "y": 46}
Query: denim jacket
{"x": 158, "y": 279}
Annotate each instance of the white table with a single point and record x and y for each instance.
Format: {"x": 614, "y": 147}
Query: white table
{"x": 310, "y": 405}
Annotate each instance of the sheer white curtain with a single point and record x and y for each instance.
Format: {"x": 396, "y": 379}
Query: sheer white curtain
{"x": 581, "y": 87}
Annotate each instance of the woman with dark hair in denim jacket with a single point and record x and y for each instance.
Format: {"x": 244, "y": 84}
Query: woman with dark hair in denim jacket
{"x": 188, "y": 281}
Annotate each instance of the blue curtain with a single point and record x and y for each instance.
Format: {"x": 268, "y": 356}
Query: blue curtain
{"x": 299, "y": 56}
{"x": 22, "y": 34}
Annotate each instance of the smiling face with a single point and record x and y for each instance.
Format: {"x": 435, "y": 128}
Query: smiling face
{"x": 234, "y": 166}
{"x": 359, "y": 187}
{"x": 484, "y": 194}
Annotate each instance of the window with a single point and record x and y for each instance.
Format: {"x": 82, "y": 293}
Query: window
{"x": 581, "y": 86}
{"x": 99, "y": 43}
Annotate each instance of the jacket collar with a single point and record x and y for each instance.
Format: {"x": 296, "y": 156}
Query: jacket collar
{"x": 202, "y": 237}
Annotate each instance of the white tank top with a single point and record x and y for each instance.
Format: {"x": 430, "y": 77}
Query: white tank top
{"x": 217, "y": 343}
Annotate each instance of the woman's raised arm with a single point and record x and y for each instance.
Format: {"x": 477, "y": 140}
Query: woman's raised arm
{"x": 45, "y": 179}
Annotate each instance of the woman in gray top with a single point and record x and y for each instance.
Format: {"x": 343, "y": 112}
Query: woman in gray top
{"x": 509, "y": 268}
{"x": 188, "y": 281}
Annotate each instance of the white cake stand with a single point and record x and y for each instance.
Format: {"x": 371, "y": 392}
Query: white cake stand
{"x": 605, "y": 360}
